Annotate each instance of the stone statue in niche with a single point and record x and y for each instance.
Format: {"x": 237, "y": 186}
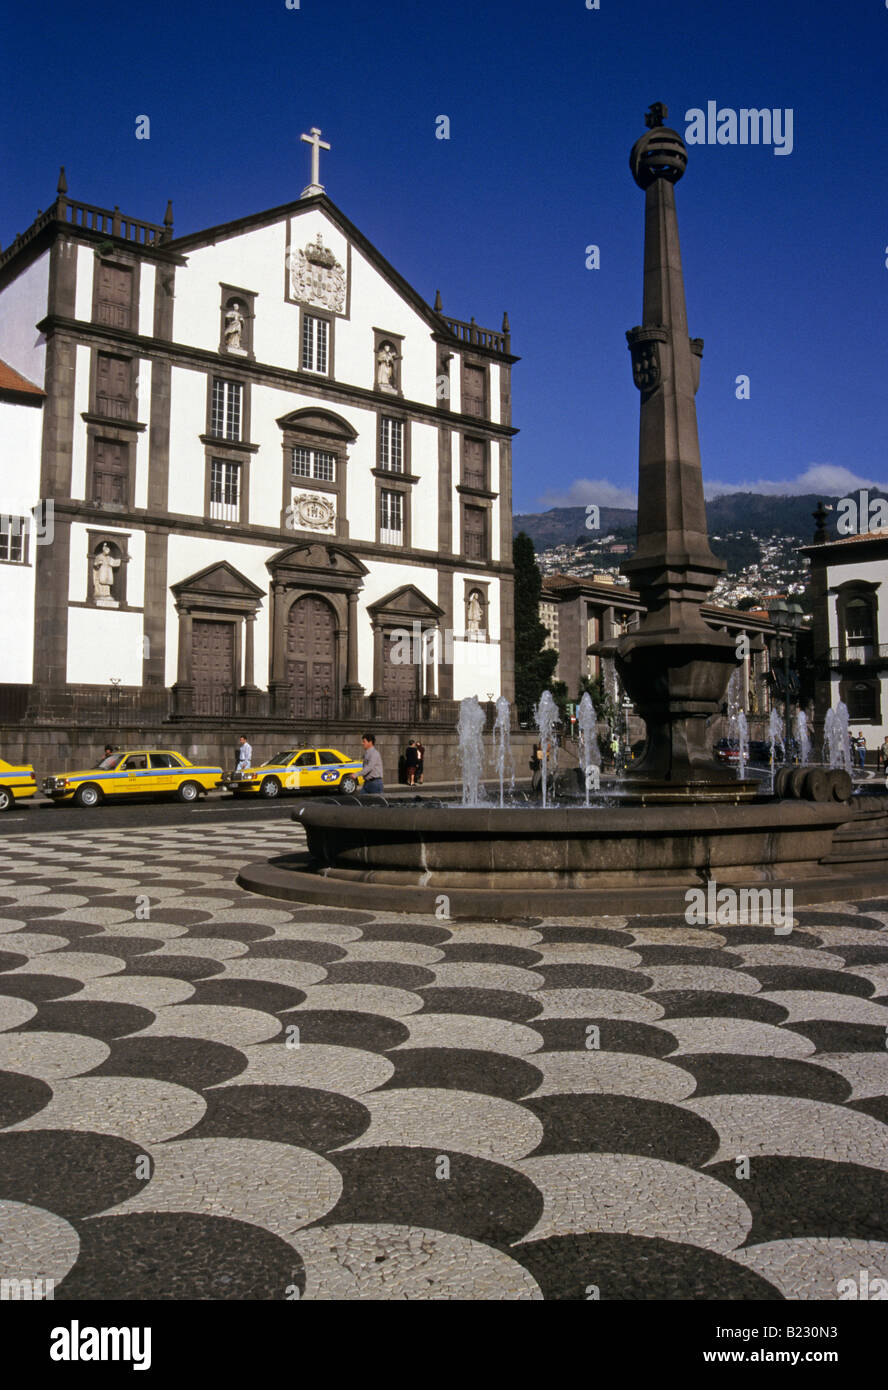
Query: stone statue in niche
{"x": 104, "y": 565}
{"x": 234, "y": 328}
{"x": 474, "y": 615}
{"x": 386, "y": 359}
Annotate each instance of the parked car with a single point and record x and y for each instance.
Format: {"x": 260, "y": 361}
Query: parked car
{"x": 17, "y": 782}
{"x": 140, "y": 772}
{"x": 760, "y": 752}
{"x": 298, "y": 769}
{"x": 726, "y": 751}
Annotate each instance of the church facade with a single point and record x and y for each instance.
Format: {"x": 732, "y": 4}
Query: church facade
{"x": 256, "y": 460}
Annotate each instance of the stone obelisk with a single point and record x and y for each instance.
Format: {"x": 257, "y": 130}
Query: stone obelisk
{"x": 674, "y": 667}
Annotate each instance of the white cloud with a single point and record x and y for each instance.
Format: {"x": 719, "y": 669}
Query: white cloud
{"x": 587, "y": 490}
{"x": 829, "y": 479}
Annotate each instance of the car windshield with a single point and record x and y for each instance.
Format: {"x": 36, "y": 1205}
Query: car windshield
{"x": 280, "y": 758}
{"x": 113, "y": 760}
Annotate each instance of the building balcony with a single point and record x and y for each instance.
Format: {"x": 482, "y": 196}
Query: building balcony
{"x": 859, "y": 652}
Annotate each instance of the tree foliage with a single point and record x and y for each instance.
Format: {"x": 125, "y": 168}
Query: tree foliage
{"x": 534, "y": 667}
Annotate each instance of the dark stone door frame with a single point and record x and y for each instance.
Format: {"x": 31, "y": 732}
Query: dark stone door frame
{"x": 316, "y": 569}
{"x": 219, "y": 593}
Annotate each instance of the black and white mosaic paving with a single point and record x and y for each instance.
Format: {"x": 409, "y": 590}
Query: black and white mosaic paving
{"x": 206, "y": 1094}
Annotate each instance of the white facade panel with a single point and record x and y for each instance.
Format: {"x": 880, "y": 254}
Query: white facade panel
{"x": 104, "y": 645}
{"x": 81, "y": 404}
{"x": 25, "y": 302}
{"x": 188, "y": 420}
{"x": 83, "y": 292}
{"x": 143, "y": 439}
{"x": 147, "y": 277}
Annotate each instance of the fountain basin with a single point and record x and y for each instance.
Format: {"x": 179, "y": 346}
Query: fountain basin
{"x": 507, "y": 863}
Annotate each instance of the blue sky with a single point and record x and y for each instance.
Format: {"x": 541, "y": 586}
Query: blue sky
{"x": 784, "y": 256}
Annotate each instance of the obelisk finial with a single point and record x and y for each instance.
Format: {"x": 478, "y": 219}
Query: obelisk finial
{"x": 656, "y": 115}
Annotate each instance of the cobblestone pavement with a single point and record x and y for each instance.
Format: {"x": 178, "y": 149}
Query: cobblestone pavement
{"x": 206, "y": 1094}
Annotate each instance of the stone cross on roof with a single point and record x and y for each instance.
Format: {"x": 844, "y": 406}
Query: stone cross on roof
{"x": 317, "y": 144}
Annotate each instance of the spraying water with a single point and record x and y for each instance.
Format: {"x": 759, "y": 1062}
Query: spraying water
{"x": 775, "y": 736}
{"x": 590, "y": 756}
{"x": 470, "y": 728}
{"x": 837, "y": 737}
{"x": 737, "y": 730}
{"x": 545, "y": 717}
{"x": 802, "y": 737}
{"x": 502, "y": 743}
{"x": 742, "y": 744}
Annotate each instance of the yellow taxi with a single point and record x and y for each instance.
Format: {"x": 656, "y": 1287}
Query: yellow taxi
{"x": 298, "y": 769}
{"x": 142, "y": 772}
{"x": 16, "y": 783}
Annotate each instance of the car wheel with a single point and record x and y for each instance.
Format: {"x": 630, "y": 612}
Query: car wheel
{"x": 270, "y": 787}
{"x": 349, "y": 785}
{"x": 188, "y": 791}
{"x": 5, "y": 799}
{"x": 88, "y": 795}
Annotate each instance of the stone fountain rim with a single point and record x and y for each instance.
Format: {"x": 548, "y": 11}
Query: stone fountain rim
{"x": 592, "y": 820}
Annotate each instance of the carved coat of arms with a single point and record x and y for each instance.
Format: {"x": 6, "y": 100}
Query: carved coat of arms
{"x": 316, "y": 277}
{"x": 644, "y": 345}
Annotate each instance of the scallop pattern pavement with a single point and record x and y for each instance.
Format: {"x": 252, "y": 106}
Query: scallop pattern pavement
{"x": 209, "y": 1095}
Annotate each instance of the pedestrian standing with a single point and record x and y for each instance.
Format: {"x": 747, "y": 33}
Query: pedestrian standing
{"x": 861, "y": 748}
{"x": 411, "y": 762}
{"x": 420, "y": 766}
{"x": 372, "y": 766}
{"x": 244, "y": 755}
{"x": 883, "y": 754}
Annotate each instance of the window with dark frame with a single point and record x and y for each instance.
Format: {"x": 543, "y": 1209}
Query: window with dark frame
{"x": 474, "y": 383}
{"x": 314, "y": 463}
{"x": 113, "y": 386}
{"x": 314, "y": 344}
{"x": 391, "y": 517}
{"x": 110, "y": 473}
{"x": 225, "y": 414}
{"x": 475, "y": 533}
{"x": 114, "y": 295}
{"x": 391, "y": 444}
{"x": 225, "y": 490}
{"x": 13, "y": 539}
{"x": 474, "y": 463}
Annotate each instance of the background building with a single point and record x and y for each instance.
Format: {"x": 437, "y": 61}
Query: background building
{"x": 849, "y": 579}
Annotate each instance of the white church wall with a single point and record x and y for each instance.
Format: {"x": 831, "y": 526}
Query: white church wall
{"x": 424, "y": 504}
{"x": 83, "y": 291}
{"x": 143, "y": 439}
{"x": 147, "y": 278}
{"x": 81, "y": 406}
{"x": 20, "y": 434}
{"x": 493, "y": 404}
{"x": 188, "y": 421}
{"x": 872, "y": 572}
{"x": 17, "y": 619}
{"x": 252, "y": 261}
{"x": 375, "y": 304}
{"x": 104, "y": 645}
{"x": 22, "y": 305}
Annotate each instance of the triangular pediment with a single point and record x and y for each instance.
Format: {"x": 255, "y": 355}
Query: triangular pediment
{"x": 221, "y": 580}
{"x": 320, "y": 422}
{"x": 318, "y": 558}
{"x": 406, "y": 602}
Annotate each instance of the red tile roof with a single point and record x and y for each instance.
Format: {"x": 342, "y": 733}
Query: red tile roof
{"x": 11, "y": 380}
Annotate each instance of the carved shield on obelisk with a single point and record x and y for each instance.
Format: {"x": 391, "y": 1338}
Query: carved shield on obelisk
{"x": 644, "y": 345}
